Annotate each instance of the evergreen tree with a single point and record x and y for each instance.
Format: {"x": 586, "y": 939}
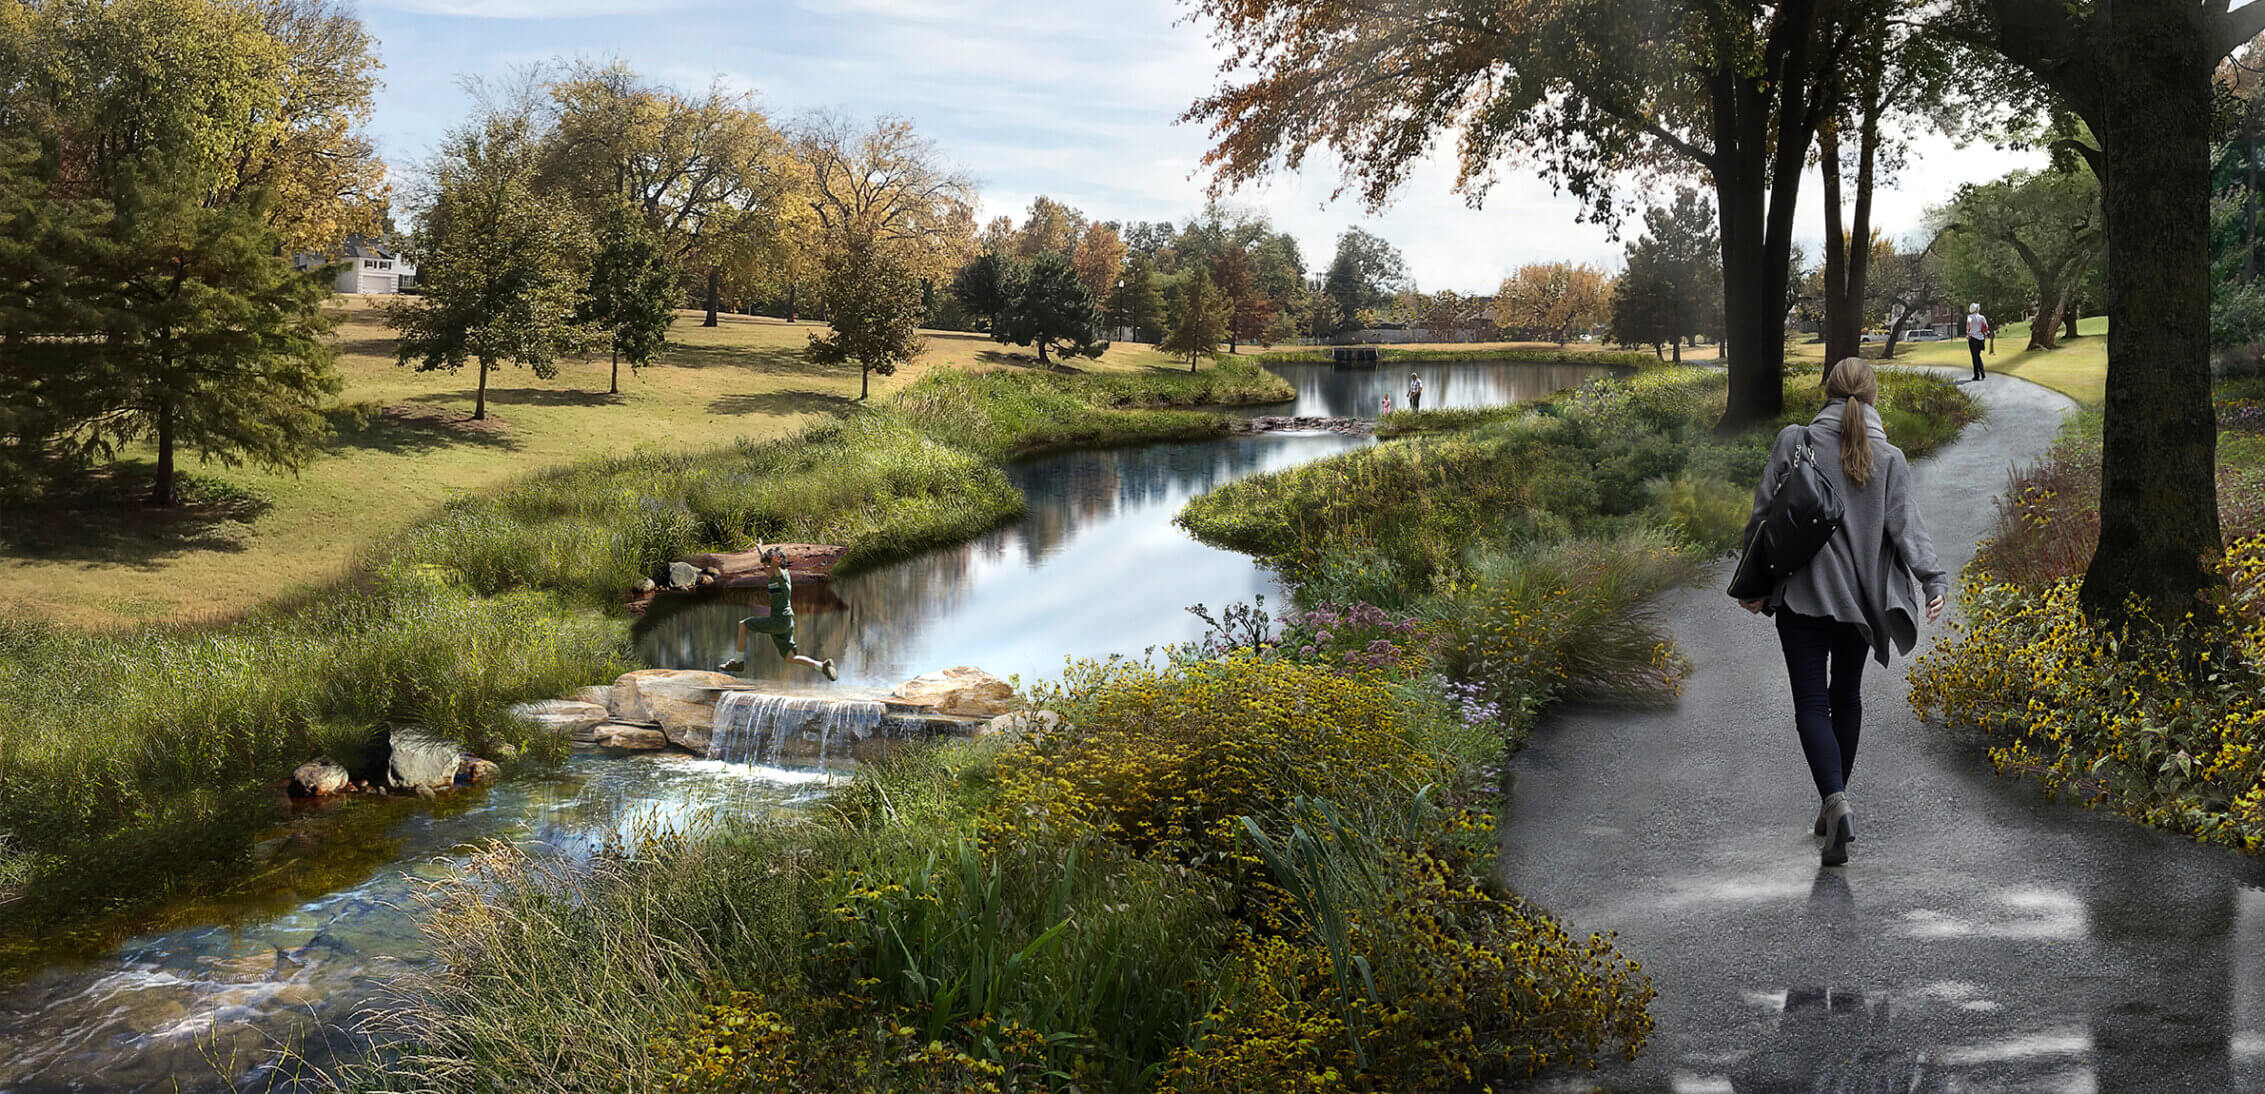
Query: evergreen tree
{"x": 1200, "y": 320}
{"x": 632, "y": 292}
{"x": 986, "y": 286}
{"x": 1051, "y": 308}
{"x": 1672, "y": 288}
{"x": 873, "y": 304}
{"x": 210, "y": 340}
{"x": 495, "y": 262}
{"x": 1138, "y": 303}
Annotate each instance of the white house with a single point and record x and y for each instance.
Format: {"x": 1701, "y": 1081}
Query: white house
{"x": 369, "y": 267}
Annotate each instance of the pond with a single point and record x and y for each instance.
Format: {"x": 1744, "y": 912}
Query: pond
{"x": 326, "y": 924}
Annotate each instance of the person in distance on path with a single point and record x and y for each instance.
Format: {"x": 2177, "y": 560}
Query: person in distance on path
{"x": 1856, "y": 595}
{"x": 1977, "y": 329}
{"x": 1415, "y": 392}
{"x": 779, "y": 624}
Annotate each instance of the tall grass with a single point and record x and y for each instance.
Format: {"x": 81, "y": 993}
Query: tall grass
{"x": 1001, "y": 415}
{"x": 128, "y": 762}
{"x": 870, "y": 481}
{"x": 1393, "y": 522}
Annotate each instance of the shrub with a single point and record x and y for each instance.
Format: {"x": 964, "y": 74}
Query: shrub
{"x": 1572, "y": 619}
{"x": 2115, "y": 719}
{"x": 1395, "y": 966}
{"x": 1163, "y": 759}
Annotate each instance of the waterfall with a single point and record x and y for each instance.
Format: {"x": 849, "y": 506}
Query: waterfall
{"x": 754, "y": 728}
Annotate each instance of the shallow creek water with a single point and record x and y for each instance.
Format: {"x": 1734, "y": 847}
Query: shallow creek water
{"x": 1095, "y": 567}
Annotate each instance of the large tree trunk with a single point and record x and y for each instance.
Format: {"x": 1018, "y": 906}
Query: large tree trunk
{"x": 1843, "y": 328}
{"x": 715, "y": 294}
{"x": 2158, "y": 490}
{"x": 2068, "y": 316}
{"x": 615, "y": 387}
{"x": 480, "y": 400}
{"x": 163, "y": 492}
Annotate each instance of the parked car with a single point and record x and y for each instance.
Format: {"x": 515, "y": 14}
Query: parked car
{"x": 1924, "y": 334}
{"x": 1873, "y": 336}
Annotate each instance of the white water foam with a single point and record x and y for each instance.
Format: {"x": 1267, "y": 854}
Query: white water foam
{"x": 752, "y": 727}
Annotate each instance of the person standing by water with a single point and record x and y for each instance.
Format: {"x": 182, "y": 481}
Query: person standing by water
{"x": 1415, "y": 392}
{"x": 779, "y": 624}
{"x": 1977, "y": 329}
{"x": 1856, "y": 596}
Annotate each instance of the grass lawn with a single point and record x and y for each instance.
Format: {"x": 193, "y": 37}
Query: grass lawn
{"x": 409, "y": 446}
{"x": 2079, "y": 369}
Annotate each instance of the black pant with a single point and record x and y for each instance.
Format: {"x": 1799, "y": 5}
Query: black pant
{"x": 1974, "y": 346}
{"x": 1828, "y": 708}
{"x": 1415, "y": 400}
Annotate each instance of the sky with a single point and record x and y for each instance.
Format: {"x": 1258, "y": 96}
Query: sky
{"x": 1074, "y": 99}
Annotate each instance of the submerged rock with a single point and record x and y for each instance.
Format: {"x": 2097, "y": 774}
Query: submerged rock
{"x": 316, "y": 778}
{"x": 962, "y": 691}
{"x": 477, "y": 771}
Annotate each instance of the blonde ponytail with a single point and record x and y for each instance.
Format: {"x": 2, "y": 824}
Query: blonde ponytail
{"x": 1852, "y": 379}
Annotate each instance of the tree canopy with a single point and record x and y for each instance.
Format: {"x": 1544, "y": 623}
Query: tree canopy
{"x": 496, "y": 261}
{"x": 873, "y": 307}
{"x": 1671, "y": 289}
{"x": 1589, "y": 94}
{"x": 1051, "y": 310}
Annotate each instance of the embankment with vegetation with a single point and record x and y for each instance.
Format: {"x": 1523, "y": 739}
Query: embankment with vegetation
{"x": 137, "y": 767}
{"x": 1261, "y": 863}
{"x": 2166, "y": 727}
{"x": 1395, "y": 522}
{"x": 1522, "y": 352}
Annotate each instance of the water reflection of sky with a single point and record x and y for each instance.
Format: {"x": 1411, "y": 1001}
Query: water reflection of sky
{"x": 1095, "y": 567}
{"x": 1358, "y": 392}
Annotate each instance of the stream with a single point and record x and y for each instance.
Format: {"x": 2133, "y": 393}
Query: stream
{"x": 326, "y": 923}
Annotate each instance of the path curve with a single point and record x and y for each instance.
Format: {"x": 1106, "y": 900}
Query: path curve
{"x": 1981, "y": 937}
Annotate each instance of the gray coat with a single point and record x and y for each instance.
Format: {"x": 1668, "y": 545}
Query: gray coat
{"x": 1865, "y": 573}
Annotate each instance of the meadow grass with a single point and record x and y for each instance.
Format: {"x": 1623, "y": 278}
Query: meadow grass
{"x": 2078, "y": 369}
{"x": 404, "y": 446}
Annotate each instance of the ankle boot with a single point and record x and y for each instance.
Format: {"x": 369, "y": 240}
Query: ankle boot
{"x": 1840, "y": 829}
{"x": 1824, "y": 817}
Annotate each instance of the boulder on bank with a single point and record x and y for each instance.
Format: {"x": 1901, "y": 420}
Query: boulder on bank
{"x": 567, "y": 717}
{"x": 416, "y": 758}
{"x": 961, "y": 691}
{"x": 319, "y": 777}
{"x": 682, "y": 702}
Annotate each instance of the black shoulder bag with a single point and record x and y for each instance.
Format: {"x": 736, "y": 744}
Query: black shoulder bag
{"x": 1803, "y": 514}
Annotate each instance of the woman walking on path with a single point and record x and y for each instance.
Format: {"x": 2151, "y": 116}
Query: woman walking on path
{"x": 1856, "y": 595}
{"x": 779, "y": 624}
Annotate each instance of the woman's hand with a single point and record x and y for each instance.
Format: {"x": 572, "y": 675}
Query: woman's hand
{"x": 1934, "y": 609}
{"x": 1755, "y": 605}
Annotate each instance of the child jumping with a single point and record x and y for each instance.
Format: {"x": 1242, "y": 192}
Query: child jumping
{"x": 779, "y": 624}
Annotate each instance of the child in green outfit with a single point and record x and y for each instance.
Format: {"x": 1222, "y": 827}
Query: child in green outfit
{"x": 779, "y": 624}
